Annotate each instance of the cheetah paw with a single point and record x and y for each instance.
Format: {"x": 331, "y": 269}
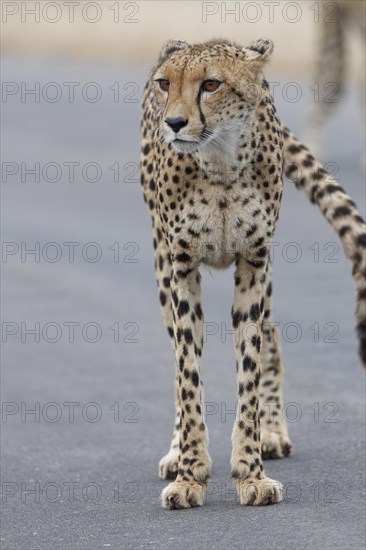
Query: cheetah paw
{"x": 183, "y": 494}
{"x": 275, "y": 445}
{"x": 256, "y": 492}
{"x": 168, "y": 465}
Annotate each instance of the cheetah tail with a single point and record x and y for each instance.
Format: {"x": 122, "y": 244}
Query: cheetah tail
{"x": 339, "y": 210}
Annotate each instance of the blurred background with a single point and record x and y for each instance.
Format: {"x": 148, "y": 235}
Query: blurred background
{"x": 87, "y": 375}
{"x": 134, "y": 31}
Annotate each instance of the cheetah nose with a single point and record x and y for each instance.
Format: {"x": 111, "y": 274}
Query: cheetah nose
{"x": 176, "y": 123}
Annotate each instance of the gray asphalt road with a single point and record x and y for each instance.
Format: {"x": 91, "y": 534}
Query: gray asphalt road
{"x": 80, "y": 472}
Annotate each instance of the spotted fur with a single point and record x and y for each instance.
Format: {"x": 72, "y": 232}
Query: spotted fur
{"x": 212, "y": 165}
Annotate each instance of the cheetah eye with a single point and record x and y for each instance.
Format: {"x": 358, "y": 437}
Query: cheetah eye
{"x": 164, "y": 84}
{"x": 210, "y": 85}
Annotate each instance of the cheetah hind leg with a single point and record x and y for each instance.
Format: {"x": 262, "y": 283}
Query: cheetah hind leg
{"x": 168, "y": 465}
{"x": 275, "y": 441}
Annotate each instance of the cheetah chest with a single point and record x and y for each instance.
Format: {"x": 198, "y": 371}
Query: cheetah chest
{"x": 219, "y": 224}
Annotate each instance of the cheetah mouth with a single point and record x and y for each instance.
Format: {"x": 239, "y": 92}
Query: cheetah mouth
{"x": 185, "y": 146}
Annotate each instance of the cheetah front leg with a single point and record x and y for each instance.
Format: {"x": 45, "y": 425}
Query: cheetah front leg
{"x": 194, "y": 463}
{"x": 252, "y": 485}
{"x": 275, "y": 442}
{"x": 168, "y": 465}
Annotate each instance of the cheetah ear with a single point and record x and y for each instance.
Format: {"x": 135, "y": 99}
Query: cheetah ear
{"x": 259, "y": 50}
{"x": 171, "y": 46}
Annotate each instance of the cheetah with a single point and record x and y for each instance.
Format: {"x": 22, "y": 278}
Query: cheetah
{"x": 339, "y": 21}
{"x": 213, "y": 157}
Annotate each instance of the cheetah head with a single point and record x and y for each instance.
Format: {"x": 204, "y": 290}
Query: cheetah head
{"x": 206, "y": 93}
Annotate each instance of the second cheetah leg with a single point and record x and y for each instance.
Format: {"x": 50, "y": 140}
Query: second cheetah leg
{"x": 252, "y": 485}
